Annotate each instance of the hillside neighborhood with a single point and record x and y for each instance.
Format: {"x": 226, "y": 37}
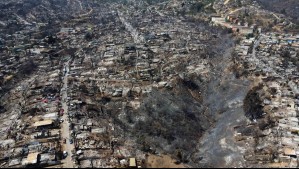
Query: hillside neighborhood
{"x": 146, "y": 84}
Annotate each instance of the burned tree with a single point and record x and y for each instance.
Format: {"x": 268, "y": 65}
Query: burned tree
{"x": 28, "y": 67}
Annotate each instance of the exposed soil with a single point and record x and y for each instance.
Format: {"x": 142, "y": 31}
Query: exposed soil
{"x": 164, "y": 161}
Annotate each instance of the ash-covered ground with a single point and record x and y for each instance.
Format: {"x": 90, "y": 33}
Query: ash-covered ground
{"x": 194, "y": 102}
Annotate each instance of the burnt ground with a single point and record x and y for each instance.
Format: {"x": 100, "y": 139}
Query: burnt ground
{"x": 225, "y": 96}
{"x": 288, "y": 7}
{"x": 198, "y": 132}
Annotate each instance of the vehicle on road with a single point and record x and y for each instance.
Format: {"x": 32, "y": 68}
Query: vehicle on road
{"x": 65, "y": 154}
{"x": 64, "y": 141}
{"x": 71, "y": 141}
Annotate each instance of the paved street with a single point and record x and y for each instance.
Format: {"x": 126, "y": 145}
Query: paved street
{"x": 65, "y": 130}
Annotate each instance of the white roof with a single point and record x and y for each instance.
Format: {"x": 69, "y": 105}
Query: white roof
{"x": 52, "y": 116}
{"x": 42, "y": 123}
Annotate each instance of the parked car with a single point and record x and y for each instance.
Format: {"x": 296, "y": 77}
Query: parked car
{"x": 65, "y": 154}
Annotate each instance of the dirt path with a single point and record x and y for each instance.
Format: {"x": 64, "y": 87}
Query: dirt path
{"x": 134, "y": 33}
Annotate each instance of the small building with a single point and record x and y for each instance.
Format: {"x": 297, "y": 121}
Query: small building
{"x": 289, "y": 152}
{"x": 43, "y": 123}
{"x": 230, "y": 17}
{"x": 51, "y": 116}
{"x": 45, "y": 158}
{"x": 246, "y": 31}
{"x": 66, "y": 30}
{"x": 99, "y": 130}
{"x": 14, "y": 162}
{"x": 132, "y": 163}
{"x": 32, "y": 158}
{"x": 217, "y": 19}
